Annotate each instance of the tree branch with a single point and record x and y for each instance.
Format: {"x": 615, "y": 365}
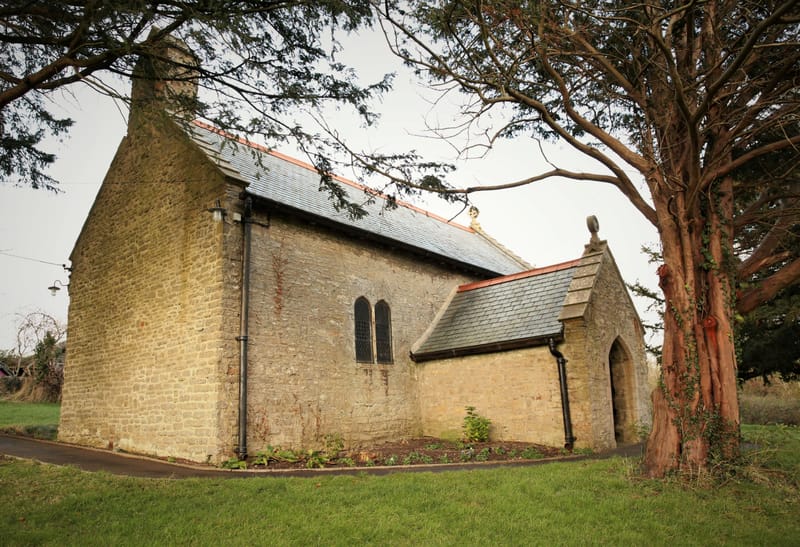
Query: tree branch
{"x": 768, "y": 288}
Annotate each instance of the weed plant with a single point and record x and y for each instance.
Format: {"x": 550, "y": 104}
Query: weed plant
{"x": 476, "y": 427}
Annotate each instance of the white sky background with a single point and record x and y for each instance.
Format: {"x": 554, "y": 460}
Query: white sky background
{"x": 544, "y": 223}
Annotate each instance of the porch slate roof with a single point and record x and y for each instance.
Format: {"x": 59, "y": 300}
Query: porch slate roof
{"x": 293, "y": 185}
{"x": 509, "y": 312}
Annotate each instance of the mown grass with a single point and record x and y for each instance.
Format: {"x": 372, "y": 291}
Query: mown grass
{"x": 594, "y": 502}
{"x": 36, "y": 419}
{"x": 587, "y": 503}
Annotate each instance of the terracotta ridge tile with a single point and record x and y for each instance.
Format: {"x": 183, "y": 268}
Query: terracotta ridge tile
{"x": 337, "y": 178}
{"x": 521, "y": 275}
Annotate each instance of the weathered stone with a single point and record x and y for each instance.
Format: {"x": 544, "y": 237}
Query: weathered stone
{"x": 153, "y": 356}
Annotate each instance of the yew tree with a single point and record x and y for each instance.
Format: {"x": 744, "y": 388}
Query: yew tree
{"x": 680, "y": 104}
{"x": 256, "y": 63}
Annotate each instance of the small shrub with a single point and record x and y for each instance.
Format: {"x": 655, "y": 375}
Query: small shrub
{"x": 46, "y": 432}
{"x": 276, "y": 454}
{"x": 391, "y": 460}
{"x": 333, "y": 444}
{"x": 416, "y": 457}
{"x": 44, "y": 384}
{"x": 483, "y": 455}
{"x": 444, "y": 459}
{"x": 286, "y": 455}
{"x": 234, "y": 463}
{"x": 531, "y": 453}
{"x": 10, "y": 384}
{"x": 476, "y": 427}
{"x": 316, "y": 458}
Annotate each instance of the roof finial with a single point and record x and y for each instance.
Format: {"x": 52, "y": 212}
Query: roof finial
{"x": 594, "y": 226}
{"x": 473, "y": 215}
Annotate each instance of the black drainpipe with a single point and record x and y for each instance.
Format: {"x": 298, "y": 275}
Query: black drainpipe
{"x": 569, "y": 440}
{"x": 241, "y": 450}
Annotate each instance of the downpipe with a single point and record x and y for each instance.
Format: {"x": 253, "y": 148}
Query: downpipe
{"x": 561, "y": 362}
{"x": 247, "y": 223}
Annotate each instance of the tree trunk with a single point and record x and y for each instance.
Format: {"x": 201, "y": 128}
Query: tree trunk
{"x": 695, "y": 407}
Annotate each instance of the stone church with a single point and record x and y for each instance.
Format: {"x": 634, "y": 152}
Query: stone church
{"x": 220, "y": 303}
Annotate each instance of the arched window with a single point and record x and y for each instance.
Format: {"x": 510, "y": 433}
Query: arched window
{"x": 363, "y": 320}
{"x": 383, "y": 332}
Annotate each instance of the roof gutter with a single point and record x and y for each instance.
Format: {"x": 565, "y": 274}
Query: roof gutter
{"x": 494, "y": 347}
{"x": 561, "y": 362}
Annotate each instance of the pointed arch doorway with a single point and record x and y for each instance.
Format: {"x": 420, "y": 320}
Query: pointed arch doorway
{"x": 620, "y": 367}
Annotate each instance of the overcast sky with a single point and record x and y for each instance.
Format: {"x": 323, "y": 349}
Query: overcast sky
{"x": 544, "y": 223}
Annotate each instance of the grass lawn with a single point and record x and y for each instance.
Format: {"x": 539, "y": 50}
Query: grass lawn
{"x": 36, "y": 419}
{"x": 600, "y": 502}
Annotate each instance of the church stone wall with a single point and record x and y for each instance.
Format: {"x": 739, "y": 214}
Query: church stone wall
{"x": 146, "y": 345}
{"x": 611, "y": 318}
{"x": 152, "y": 356}
{"x": 517, "y": 390}
{"x": 304, "y": 381}
{"x": 608, "y": 316}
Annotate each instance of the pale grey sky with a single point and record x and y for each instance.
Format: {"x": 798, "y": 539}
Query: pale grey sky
{"x": 544, "y": 223}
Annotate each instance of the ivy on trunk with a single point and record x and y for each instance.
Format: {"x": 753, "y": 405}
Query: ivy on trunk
{"x": 690, "y": 109}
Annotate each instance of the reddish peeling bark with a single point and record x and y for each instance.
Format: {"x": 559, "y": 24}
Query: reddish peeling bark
{"x": 697, "y": 107}
{"x": 695, "y": 409}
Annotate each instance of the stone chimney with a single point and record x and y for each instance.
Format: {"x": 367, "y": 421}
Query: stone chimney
{"x": 165, "y": 81}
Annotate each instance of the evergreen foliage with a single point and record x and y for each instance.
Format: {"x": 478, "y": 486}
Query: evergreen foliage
{"x": 258, "y": 62}
{"x": 690, "y": 109}
{"x": 49, "y": 368}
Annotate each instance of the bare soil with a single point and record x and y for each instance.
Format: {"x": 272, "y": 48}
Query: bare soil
{"x": 419, "y": 451}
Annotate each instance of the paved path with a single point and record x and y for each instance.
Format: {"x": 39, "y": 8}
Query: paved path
{"x": 90, "y": 459}
{"x": 98, "y": 460}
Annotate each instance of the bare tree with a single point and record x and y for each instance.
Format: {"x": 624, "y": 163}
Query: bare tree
{"x": 32, "y": 330}
{"x": 696, "y": 99}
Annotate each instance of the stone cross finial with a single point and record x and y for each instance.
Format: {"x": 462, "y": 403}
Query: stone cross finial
{"x": 594, "y": 226}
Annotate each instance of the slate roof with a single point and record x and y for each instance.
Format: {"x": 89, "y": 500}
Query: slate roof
{"x": 504, "y": 313}
{"x": 294, "y": 186}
